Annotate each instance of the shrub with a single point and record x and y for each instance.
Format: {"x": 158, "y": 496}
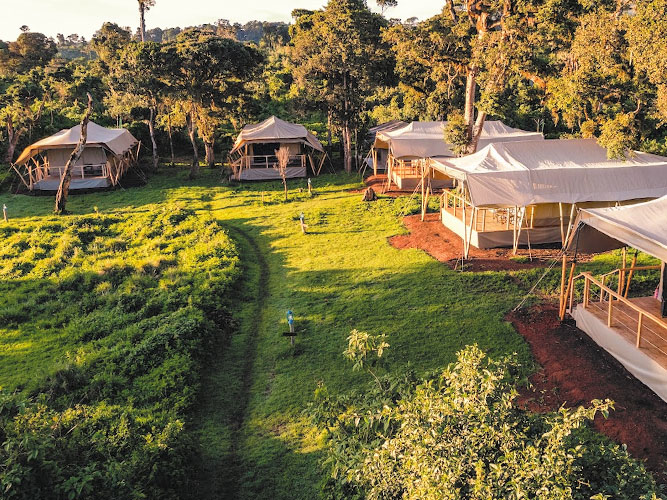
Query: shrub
{"x": 461, "y": 435}
{"x": 141, "y": 300}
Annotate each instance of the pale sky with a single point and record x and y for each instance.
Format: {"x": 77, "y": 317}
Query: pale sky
{"x": 84, "y": 17}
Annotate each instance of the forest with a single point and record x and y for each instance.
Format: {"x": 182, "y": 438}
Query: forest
{"x": 567, "y": 68}
{"x": 144, "y": 344}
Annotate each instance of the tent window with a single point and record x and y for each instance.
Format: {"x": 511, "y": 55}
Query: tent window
{"x": 265, "y": 149}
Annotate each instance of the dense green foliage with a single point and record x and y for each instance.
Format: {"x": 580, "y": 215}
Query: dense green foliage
{"x": 461, "y": 435}
{"x": 109, "y": 318}
{"x": 248, "y": 426}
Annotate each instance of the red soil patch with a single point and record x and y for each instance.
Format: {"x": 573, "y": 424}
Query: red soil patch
{"x": 575, "y": 370}
{"x": 379, "y": 185}
{"x": 442, "y": 244}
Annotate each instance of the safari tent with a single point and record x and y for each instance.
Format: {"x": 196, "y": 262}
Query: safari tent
{"x": 377, "y": 158}
{"x": 631, "y": 326}
{"x": 522, "y": 193}
{"x": 107, "y": 156}
{"x": 253, "y": 156}
{"x": 406, "y": 149}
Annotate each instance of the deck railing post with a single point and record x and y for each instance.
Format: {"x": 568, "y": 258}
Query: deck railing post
{"x": 639, "y": 328}
{"x": 587, "y": 291}
{"x": 609, "y": 312}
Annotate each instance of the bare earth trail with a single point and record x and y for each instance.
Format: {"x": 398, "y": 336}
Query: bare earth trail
{"x": 226, "y": 387}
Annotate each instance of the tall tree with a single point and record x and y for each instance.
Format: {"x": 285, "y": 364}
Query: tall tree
{"x": 208, "y": 73}
{"x": 137, "y": 84}
{"x": 21, "y": 107}
{"x": 339, "y": 58}
{"x": 30, "y": 50}
{"x": 144, "y": 5}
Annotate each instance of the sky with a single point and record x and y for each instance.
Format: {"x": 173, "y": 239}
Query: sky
{"x": 84, "y": 17}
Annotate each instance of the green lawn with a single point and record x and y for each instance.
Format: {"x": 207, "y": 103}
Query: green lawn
{"x": 255, "y": 439}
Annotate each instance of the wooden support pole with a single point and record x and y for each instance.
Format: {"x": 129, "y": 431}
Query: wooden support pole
{"x": 562, "y": 228}
{"x": 465, "y": 232}
{"x": 621, "y": 275}
{"x": 569, "y": 292}
{"x": 563, "y": 274}
{"x": 639, "y": 329}
{"x": 609, "y": 311}
{"x": 423, "y": 171}
{"x": 570, "y": 223}
{"x": 630, "y": 274}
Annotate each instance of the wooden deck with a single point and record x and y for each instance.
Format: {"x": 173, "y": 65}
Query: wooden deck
{"x": 625, "y": 322}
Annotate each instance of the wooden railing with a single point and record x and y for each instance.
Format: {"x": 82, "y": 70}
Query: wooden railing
{"x": 615, "y": 296}
{"x": 405, "y": 168}
{"x": 268, "y": 161}
{"x": 455, "y": 203}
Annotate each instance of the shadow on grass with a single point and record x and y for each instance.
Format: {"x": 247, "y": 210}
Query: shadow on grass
{"x": 427, "y": 311}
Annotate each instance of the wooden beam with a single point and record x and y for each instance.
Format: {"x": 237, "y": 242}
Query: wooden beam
{"x": 630, "y": 274}
{"x": 563, "y": 274}
{"x": 569, "y": 291}
{"x": 570, "y": 224}
{"x": 562, "y": 228}
{"x": 21, "y": 176}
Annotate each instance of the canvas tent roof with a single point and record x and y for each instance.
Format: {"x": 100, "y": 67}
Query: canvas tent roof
{"x": 276, "y": 130}
{"x": 426, "y": 139}
{"x": 386, "y": 127}
{"x": 553, "y": 171}
{"x": 116, "y": 140}
{"x": 640, "y": 226}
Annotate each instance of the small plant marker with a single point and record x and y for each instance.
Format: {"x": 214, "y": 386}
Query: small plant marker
{"x": 290, "y": 322}
{"x": 304, "y": 227}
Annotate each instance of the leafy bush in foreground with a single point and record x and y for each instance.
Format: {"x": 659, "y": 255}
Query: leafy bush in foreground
{"x": 142, "y": 299}
{"x": 461, "y": 436}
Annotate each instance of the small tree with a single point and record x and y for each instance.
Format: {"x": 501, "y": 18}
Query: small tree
{"x": 365, "y": 351}
{"x": 63, "y": 189}
{"x": 282, "y": 155}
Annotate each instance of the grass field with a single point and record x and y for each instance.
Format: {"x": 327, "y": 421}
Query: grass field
{"x": 255, "y": 440}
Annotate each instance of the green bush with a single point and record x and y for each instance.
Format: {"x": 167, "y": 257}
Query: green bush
{"x": 140, "y": 301}
{"x": 461, "y": 436}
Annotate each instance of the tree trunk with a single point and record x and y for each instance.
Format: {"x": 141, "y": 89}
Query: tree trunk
{"x": 13, "y": 137}
{"x": 142, "y": 22}
{"x": 469, "y": 110}
{"x": 192, "y": 131}
{"x": 477, "y": 132}
{"x": 210, "y": 153}
{"x": 171, "y": 143}
{"x": 151, "y": 129}
{"x": 63, "y": 189}
{"x": 329, "y": 134}
{"x": 347, "y": 147}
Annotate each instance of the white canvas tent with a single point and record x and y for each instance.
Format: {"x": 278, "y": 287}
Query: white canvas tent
{"x": 108, "y": 154}
{"x": 632, "y": 329}
{"x": 426, "y": 139}
{"x": 408, "y": 146}
{"x": 542, "y": 183}
{"x": 639, "y": 226}
{"x": 253, "y": 154}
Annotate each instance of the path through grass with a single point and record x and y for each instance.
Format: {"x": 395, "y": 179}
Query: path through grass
{"x": 343, "y": 275}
